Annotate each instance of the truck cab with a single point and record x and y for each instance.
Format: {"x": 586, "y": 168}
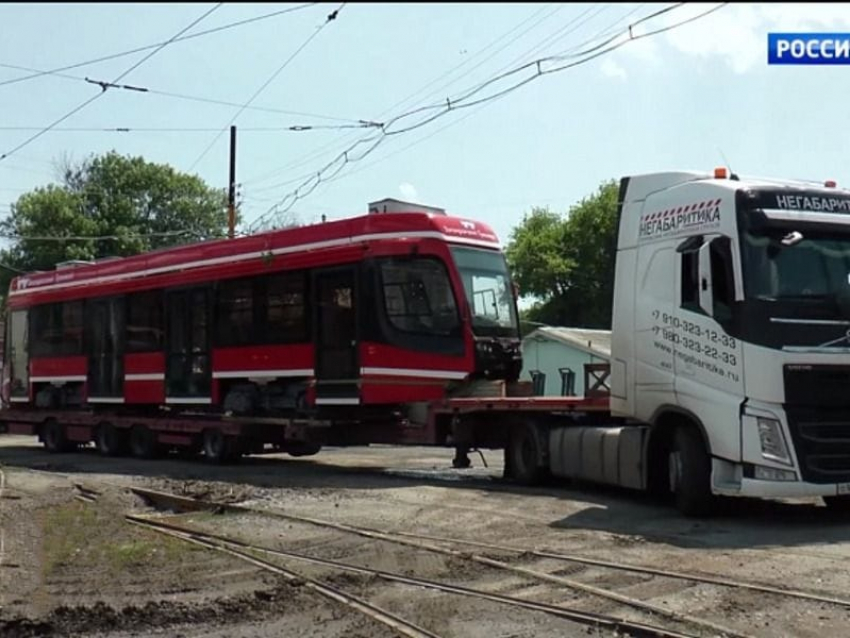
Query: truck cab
{"x": 731, "y": 334}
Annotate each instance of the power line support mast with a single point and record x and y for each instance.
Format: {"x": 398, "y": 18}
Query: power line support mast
{"x": 231, "y": 196}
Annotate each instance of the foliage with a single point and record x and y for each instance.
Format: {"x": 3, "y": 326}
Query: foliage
{"x": 143, "y": 205}
{"x": 566, "y": 262}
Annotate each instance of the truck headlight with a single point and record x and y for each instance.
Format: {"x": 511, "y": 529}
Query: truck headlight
{"x": 773, "y": 447}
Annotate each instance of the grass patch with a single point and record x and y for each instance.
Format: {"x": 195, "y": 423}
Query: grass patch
{"x": 68, "y": 531}
{"x": 83, "y": 536}
{"x": 137, "y": 553}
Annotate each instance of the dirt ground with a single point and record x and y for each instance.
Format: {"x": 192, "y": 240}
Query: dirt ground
{"x": 72, "y": 568}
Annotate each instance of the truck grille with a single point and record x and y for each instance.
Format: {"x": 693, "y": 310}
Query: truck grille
{"x": 822, "y": 441}
{"x": 817, "y": 402}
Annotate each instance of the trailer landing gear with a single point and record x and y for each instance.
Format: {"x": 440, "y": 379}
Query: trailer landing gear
{"x": 461, "y": 460}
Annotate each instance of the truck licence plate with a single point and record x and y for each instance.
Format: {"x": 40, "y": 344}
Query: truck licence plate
{"x": 844, "y": 488}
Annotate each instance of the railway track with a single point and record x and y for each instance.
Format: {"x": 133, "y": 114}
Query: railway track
{"x": 240, "y": 549}
{"x": 181, "y": 503}
{"x": 209, "y": 541}
{"x": 432, "y": 543}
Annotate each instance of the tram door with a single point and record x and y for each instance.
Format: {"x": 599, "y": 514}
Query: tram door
{"x": 105, "y": 325}
{"x": 18, "y": 357}
{"x": 336, "y": 336}
{"x": 188, "y": 376}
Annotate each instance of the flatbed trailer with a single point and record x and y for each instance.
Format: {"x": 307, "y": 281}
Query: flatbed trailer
{"x": 524, "y": 426}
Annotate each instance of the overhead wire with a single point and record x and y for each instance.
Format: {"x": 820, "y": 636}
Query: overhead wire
{"x": 61, "y": 238}
{"x": 572, "y": 25}
{"x": 554, "y": 37}
{"x": 296, "y": 128}
{"x": 265, "y": 109}
{"x": 315, "y": 178}
{"x": 330, "y": 18}
{"x": 333, "y": 168}
{"x": 183, "y": 96}
{"x": 343, "y": 139}
{"x": 586, "y": 55}
{"x": 104, "y": 89}
{"x": 147, "y": 47}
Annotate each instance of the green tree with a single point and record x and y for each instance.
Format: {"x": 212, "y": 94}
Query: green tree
{"x": 566, "y": 262}
{"x": 139, "y": 205}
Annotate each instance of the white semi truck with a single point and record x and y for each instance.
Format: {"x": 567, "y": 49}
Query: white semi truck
{"x": 730, "y": 345}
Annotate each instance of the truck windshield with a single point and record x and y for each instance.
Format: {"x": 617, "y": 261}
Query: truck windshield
{"x": 796, "y": 265}
{"x": 488, "y": 291}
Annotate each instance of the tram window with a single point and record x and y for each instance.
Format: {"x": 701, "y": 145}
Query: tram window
{"x": 286, "y": 319}
{"x": 236, "y": 313}
{"x": 72, "y": 328}
{"x": 144, "y": 322}
{"x": 57, "y": 329}
{"x": 418, "y": 296}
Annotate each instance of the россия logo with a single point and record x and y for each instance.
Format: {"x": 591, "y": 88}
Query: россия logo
{"x": 808, "y": 48}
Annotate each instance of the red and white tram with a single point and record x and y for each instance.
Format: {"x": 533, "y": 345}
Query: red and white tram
{"x": 347, "y": 317}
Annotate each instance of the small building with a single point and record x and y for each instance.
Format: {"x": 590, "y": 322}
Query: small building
{"x": 554, "y": 358}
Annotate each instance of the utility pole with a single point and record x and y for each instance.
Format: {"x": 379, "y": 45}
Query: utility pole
{"x": 231, "y": 196}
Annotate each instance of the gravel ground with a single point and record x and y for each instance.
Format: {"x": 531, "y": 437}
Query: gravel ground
{"x": 71, "y": 568}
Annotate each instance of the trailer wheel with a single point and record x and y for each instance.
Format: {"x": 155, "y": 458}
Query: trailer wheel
{"x": 55, "y": 440}
{"x": 690, "y": 474}
{"x": 218, "y": 448}
{"x": 525, "y": 461}
{"x": 143, "y": 443}
{"x": 111, "y": 441}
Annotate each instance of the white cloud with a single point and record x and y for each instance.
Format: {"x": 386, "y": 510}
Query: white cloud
{"x": 737, "y": 33}
{"x": 408, "y": 191}
{"x": 611, "y": 69}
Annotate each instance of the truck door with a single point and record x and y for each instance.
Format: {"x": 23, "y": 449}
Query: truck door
{"x": 709, "y": 361}
{"x": 336, "y": 336}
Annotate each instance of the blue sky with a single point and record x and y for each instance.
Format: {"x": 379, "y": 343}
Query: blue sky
{"x": 676, "y": 100}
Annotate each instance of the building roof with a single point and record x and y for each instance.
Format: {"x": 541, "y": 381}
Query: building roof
{"x": 595, "y": 342}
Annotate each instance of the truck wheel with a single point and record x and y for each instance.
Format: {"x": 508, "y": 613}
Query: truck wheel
{"x": 524, "y": 455}
{"x": 143, "y": 443}
{"x": 111, "y": 441}
{"x": 218, "y": 448}
{"x": 690, "y": 474}
{"x": 55, "y": 440}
